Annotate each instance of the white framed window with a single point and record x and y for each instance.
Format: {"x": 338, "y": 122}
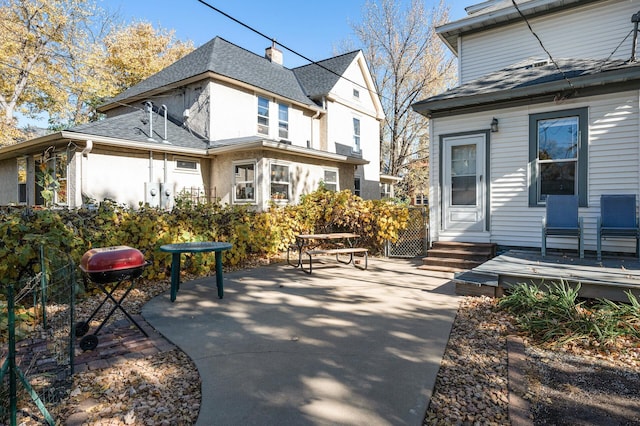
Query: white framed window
{"x": 356, "y": 93}
{"x": 421, "y": 200}
{"x": 263, "y": 115}
{"x": 190, "y": 165}
{"x": 61, "y": 164}
{"x": 385, "y": 190}
{"x": 244, "y": 182}
{"x": 356, "y": 134}
{"x": 279, "y": 182}
{"x": 185, "y": 165}
{"x": 283, "y": 121}
{"x": 22, "y": 179}
{"x": 51, "y": 179}
{"x": 331, "y": 179}
{"x": 356, "y": 186}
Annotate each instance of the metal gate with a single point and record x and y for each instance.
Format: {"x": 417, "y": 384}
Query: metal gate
{"x": 413, "y": 240}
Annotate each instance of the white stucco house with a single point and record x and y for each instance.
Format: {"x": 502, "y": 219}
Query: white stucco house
{"x": 547, "y": 103}
{"x": 221, "y": 123}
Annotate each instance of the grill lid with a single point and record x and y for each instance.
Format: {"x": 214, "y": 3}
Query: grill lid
{"x": 114, "y": 258}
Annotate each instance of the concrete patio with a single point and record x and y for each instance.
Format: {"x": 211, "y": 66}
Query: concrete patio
{"x": 340, "y": 346}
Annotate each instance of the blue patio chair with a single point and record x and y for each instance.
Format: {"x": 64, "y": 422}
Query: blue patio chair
{"x": 618, "y": 219}
{"x": 561, "y": 220}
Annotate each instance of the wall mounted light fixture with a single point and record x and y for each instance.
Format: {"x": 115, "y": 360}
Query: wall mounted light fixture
{"x": 494, "y": 125}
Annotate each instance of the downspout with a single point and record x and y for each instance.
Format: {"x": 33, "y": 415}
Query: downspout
{"x": 313, "y": 118}
{"x": 84, "y": 157}
{"x": 166, "y": 163}
{"x": 150, "y": 166}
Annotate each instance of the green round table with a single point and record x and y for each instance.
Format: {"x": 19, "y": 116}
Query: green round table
{"x": 196, "y": 247}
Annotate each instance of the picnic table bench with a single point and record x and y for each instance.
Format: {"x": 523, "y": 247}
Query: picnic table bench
{"x": 339, "y": 243}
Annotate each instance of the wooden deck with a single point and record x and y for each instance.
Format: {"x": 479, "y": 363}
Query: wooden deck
{"x": 608, "y": 279}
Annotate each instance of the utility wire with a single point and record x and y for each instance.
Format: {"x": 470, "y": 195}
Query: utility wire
{"x": 542, "y": 45}
{"x": 312, "y": 62}
{"x": 616, "y": 49}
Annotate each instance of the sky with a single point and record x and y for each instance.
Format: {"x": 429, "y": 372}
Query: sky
{"x": 314, "y": 29}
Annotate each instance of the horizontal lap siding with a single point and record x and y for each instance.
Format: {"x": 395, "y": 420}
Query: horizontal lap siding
{"x": 613, "y": 164}
{"x": 613, "y": 158}
{"x": 592, "y": 31}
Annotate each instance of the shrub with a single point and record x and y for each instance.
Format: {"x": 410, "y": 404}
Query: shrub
{"x": 557, "y": 316}
{"x": 253, "y": 234}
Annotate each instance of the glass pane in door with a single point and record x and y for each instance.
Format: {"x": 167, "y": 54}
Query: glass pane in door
{"x": 463, "y": 175}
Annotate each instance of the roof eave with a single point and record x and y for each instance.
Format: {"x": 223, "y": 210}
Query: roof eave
{"x": 428, "y": 108}
{"x": 202, "y": 76}
{"x": 283, "y": 147}
{"x": 64, "y": 137}
{"x": 450, "y": 32}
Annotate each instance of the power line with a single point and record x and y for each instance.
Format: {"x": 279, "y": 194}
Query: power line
{"x": 542, "y": 45}
{"x": 272, "y": 39}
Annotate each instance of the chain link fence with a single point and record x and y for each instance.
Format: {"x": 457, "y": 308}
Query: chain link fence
{"x": 37, "y": 340}
{"x": 412, "y": 241}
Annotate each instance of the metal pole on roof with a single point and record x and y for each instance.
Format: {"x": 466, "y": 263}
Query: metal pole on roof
{"x": 149, "y": 106}
{"x": 635, "y": 19}
{"x": 164, "y": 107}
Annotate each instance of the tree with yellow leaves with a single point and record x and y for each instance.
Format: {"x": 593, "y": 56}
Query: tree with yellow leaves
{"x": 34, "y": 36}
{"x": 52, "y": 60}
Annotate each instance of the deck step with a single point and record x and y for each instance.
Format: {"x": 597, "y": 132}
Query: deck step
{"x": 457, "y": 256}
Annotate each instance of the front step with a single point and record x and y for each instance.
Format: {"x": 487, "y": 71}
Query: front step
{"x": 457, "y": 257}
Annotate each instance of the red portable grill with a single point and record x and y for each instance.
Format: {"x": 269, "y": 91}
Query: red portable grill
{"x": 106, "y": 265}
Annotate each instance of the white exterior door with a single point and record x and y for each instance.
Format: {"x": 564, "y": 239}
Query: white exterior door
{"x": 464, "y": 183}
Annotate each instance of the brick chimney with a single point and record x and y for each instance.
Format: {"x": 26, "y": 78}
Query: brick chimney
{"x": 273, "y": 54}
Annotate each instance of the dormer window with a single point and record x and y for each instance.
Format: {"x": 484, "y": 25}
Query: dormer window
{"x": 263, "y": 115}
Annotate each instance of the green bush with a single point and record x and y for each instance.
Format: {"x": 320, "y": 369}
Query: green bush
{"x": 253, "y": 234}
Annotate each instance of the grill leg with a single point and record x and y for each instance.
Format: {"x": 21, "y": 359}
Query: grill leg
{"x": 118, "y": 305}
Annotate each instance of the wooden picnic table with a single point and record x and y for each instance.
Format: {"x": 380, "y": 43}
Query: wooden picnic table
{"x": 338, "y": 243}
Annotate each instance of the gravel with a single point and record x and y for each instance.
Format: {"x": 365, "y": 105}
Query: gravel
{"x": 471, "y": 387}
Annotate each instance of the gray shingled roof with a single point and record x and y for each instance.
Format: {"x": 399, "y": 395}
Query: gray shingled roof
{"x": 224, "y": 58}
{"x": 317, "y": 78}
{"x": 129, "y": 126}
{"x": 527, "y": 79}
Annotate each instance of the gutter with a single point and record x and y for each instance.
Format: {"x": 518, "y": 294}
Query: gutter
{"x": 62, "y": 138}
{"x": 428, "y": 108}
{"x": 291, "y": 149}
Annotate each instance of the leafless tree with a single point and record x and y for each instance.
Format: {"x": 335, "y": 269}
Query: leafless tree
{"x": 409, "y": 63}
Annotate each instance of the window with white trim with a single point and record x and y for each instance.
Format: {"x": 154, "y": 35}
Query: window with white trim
{"x": 244, "y": 182}
{"x": 356, "y": 93}
{"x": 283, "y": 121}
{"x": 331, "y": 179}
{"x": 356, "y": 134}
{"x": 51, "y": 179}
{"x": 263, "y": 115}
{"x": 186, "y": 165}
{"x": 22, "y": 179}
{"x": 280, "y": 182}
{"x": 385, "y": 190}
{"x": 558, "y": 155}
{"x": 61, "y": 177}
